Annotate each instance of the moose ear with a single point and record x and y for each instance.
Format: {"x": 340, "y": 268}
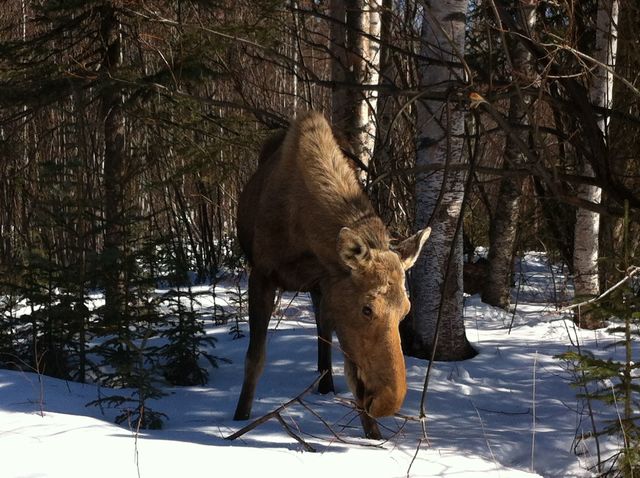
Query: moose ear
{"x": 352, "y": 250}
{"x": 410, "y": 248}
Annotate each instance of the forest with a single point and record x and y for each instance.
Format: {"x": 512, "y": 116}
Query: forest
{"x": 128, "y": 129}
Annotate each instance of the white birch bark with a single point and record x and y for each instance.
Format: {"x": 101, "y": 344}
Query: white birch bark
{"x": 371, "y": 77}
{"x": 439, "y": 140}
{"x": 356, "y": 60}
{"x": 585, "y": 255}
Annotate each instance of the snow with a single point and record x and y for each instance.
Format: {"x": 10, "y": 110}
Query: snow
{"x": 508, "y": 412}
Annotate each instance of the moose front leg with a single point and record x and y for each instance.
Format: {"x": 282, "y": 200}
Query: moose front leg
{"x": 325, "y": 336}
{"x": 261, "y": 298}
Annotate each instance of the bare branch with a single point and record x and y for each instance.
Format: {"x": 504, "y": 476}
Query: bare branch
{"x": 276, "y": 413}
{"x": 631, "y": 272}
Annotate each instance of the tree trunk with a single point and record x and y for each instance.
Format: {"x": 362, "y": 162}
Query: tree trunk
{"x": 114, "y": 165}
{"x": 585, "y": 256}
{"x": 611, "y": 228}
{"x": 337, "y": 47}
{"x": 369, "y": 102}
{"x": 384, "y": 105}
{"x": 503, "y": 228}
{"x": 440, "y": 194}
{"x": 355, "y": 61}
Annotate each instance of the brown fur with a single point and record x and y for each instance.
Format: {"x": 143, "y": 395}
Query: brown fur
{"x": 306, "y": 224}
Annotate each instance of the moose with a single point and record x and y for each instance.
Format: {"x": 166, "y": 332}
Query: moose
{"x": 306, "y": 224}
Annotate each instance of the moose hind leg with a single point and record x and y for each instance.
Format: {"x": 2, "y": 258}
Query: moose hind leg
{"x": 324, "y": 347}
{"x": 261, "y": 298}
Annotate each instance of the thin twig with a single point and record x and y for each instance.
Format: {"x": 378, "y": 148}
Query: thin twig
{"x": 286, "y": 309}
{"x": 322, "y": 420}
{"x": 334, "y": 433}
{"x": 533, "y": 409}
{"x": 409, "y": 418}
{"x": 502, "y": 412}
{"x": 415, "y": 455}
{"x": 274, "y": 413}
{"x": 515, "y": 306}
{"x": 587, "y": 397}
{"x": 352, "y": 404}
{"x": 598, "y": 63}
{"x": 293, "y": 435}
{"x": 486, "y": 438}
{"x": 631, "y": 272}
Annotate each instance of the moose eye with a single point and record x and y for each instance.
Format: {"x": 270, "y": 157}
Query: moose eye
{"x": 366, "y": 311}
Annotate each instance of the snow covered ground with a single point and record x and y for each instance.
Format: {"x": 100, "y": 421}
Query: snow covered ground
{"x": 509, "y": 412}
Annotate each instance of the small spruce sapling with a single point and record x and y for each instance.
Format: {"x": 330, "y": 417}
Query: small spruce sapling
{"x": 612, "y": 380}
{"x": 131, "y": 362}
{"x": 187, "y": 340}
{"x": 238, "y": 299}
{"x": 130, "y": 356}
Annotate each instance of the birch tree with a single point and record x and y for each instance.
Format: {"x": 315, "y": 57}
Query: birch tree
{"x": 355, "y": 46}
{"x": 436, "y": 292}
{"x": 585, "y": 256}
{"x": 369, "y": 101}
{"x": 384, "y": 110}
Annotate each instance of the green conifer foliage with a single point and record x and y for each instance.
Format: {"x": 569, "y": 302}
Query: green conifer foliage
{"x": 611, "y": 379}
{"x": 129, "y": 349}
{"x": 187, "y": 341}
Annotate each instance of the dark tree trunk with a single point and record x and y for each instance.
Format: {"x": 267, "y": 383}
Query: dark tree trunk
{"x": 502, "y": 237}
{"x": 504, "y": 226}
{"x": 114, "y": 166}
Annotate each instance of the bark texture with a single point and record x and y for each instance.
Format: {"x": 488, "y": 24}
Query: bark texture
{"x": 114, "y": 167}
{"x": 355, "y": 50}
{"x": 440, "y": 194}
{"x": 384, "y": 105}
{"x": 503, "y": 231}
{"x": 586, "y": 250}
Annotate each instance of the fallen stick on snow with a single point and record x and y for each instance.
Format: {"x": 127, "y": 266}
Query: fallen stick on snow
{"x": 276, "y": 414}
{"x": 631, "y": 271}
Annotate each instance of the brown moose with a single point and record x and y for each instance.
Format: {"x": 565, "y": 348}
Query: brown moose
{"x": 306, "y": 224}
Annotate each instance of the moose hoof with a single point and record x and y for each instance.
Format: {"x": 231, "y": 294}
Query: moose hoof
{"x": 241, "y": 414}
{"x": 326, "y": 385}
